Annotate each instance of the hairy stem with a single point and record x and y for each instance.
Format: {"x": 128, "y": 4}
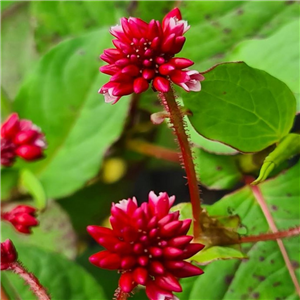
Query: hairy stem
{"x": 153, "y": 150}
{"x": 34, "y": 284}
{"x": 176, "y": 118}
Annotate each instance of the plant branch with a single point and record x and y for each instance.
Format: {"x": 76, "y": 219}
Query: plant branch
{"x": 176, "y": 119}
{"x": 34, "y": 284}
{"x": 266, "y": 236}
{"x": 153, "y": 150}
{"x": 259, "y": 197}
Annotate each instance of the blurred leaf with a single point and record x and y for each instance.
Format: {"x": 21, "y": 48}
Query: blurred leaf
{"x": 61, "y": 97}
{"x": 18, "y": 54}
{"x": 54, "y": 232}
{"x": 283, "y": 63}
{"x": 148, "y": 10}
{"x": 90, "y": 205}
{"x": 218, "y": 172}
{"x": 217, "y": 26}
{"x": 29, "y": 183}
{"x": 7, "y": 4}
{"x": 55, "y": 20}
{"x": 5, "y": 105}
{"x": 9, "y": 180}
{"x": 264, "y": 275}
{"x": 287, "y": 147}
{"x": 61, "y": 277}
{"x": 231, "y": 107}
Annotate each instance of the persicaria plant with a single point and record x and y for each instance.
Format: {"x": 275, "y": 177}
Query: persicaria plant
{"x": 198, "y": 133}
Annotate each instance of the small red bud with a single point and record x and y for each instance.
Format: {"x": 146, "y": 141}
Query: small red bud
{"x": 8, "y": 254}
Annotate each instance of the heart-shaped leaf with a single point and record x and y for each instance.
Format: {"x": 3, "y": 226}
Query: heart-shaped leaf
{"x": 241, "y": 106}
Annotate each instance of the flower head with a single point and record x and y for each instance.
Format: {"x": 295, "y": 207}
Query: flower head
{"x": 22, "y": 218}
{"x": 20, "y": 138}
{"x": 144, "y": 53}
{"x": 148, "y": 245}
{"x": 8, "y": 254}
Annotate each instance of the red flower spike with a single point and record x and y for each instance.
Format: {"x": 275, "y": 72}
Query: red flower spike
{"x": 147, "y": 245}
{"x": 8, "y": 254}
{"x": 22, "y": 218}
{"x": 145, "y": 54}
{"x": 20, "y": 138}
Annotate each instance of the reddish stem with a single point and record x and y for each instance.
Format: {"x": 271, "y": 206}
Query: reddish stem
{"x": 267, "y": 236}
{"x": 34, "y": 284}
{"x": 176, "y": 118}
{"x": 260, "y": 199}
{"x": 153, "y": 150}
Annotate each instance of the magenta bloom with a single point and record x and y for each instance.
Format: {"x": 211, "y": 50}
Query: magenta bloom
{"x": 20, "y": 138}
{"x": 8, "y": 254}
{"x": 22, "y": 218}
{"x": 144, "y": 53}
{"x": 148, "y": 245}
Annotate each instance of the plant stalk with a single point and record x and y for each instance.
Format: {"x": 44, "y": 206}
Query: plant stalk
{"x": 176, "y": 119}
{"x": 34, "y": 284}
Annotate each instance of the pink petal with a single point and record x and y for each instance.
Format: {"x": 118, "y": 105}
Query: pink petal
{"x": 161, "y": 84}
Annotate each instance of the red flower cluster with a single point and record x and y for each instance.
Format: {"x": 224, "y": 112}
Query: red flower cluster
{"x": 144, "y": 53}
{"x": 20, "y": 138}
{"x": 22, "y": 217}
{"x": 148, "y": 245}
{"x": 8, "y": 254}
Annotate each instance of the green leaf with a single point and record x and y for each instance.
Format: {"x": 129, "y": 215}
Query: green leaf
{"x": 214, "y": 253}
{"x": 16, "y": 34}
{"x": 244, "y": 107}
{"x": 208, "y": 145}
{"x": 282, "y": 63}
{"x": 78, "y": 124}
{"x": 215, "y": 29}
{"x": 264, "y": 275}
{"x": 29, "y": 183}
{"x": 218, "y": 172}
{"x": 54, "y": 232}
{"x": 62, "y": 278}
{"x": 58, "y": 19}
{"x": 287, "y": 147}
{"x": 9, "y": 180}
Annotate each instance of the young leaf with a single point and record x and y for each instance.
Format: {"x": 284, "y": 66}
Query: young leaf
{"x": 29, "y": 183}
{"x": 241, "y": 106}
{"x": 287, "y": 147}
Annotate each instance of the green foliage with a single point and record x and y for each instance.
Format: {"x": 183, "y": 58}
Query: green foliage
{"x": 231, "y": 107}
{"x": 58, "y": 19}
{"x": 9, "y": 180}
{"x": 29, "y": 183}
{"x": 64, "y": 279}
{"x": 262, "y": 54}
{"x": 288, "y": 147}
{"x": 265, "y": 273}
{"x": 61, "y": 97}
{"x": 216, "y": 171}
{"x": 57, "y": 90}
{"x": 54, "y": 233}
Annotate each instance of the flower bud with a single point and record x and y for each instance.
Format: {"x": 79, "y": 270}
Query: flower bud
{"x": 8, "y": 254}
